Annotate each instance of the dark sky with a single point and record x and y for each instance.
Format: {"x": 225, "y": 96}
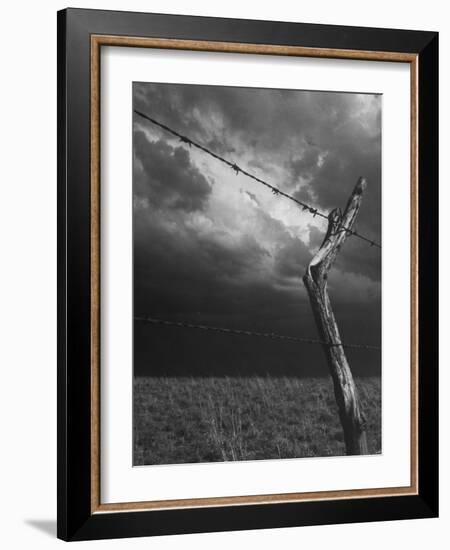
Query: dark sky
{"x": 212, "y": 247}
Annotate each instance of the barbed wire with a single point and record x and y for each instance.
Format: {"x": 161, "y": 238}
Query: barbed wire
{"x": 275, "y": 190}
{"x": 271, "y": 335}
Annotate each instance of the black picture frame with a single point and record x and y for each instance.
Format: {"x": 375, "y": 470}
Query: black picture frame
{"x": 76, "y": 520}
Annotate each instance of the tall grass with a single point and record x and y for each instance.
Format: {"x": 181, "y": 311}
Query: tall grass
{"x": 183, "y": 420}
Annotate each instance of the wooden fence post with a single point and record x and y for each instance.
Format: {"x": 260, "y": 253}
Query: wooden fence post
{"x": 351, "y": 415}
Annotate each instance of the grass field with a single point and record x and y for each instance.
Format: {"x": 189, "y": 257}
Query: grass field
{"x": 182, "y": 420}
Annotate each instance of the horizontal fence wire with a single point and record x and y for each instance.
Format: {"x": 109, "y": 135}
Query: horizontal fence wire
{"x": 271, "y": 335}
{"x": 275, "y": 190}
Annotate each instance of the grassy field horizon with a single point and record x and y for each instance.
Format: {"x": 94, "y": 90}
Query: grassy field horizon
{"x": 179, "y": 420}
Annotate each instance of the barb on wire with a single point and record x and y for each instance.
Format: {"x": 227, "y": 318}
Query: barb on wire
{"x": 272, "y": 335}
{"x": 275, "y": 190}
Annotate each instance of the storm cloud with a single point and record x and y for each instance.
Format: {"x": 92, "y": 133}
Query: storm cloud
{"x": 213, "y": 247}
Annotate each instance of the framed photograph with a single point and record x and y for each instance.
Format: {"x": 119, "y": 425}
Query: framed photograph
{"x": 247, "y": 255}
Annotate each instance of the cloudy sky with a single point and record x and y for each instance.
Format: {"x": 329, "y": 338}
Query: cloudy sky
{"x": 213, "y": 247}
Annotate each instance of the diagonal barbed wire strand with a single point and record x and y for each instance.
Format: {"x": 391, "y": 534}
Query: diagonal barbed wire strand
{"x": 275, "y": 190}
{"x": 229, "y": 331}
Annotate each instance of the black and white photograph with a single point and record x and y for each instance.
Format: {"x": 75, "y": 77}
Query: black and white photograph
{"x": 257, "y": 273}
{"x": 224, "y": 288}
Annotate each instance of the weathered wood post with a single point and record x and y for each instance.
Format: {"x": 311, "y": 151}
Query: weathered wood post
{"x": 339, "y": 227}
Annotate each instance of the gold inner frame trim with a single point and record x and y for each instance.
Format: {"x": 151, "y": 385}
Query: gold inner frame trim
{"x": 97, "y": 41}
